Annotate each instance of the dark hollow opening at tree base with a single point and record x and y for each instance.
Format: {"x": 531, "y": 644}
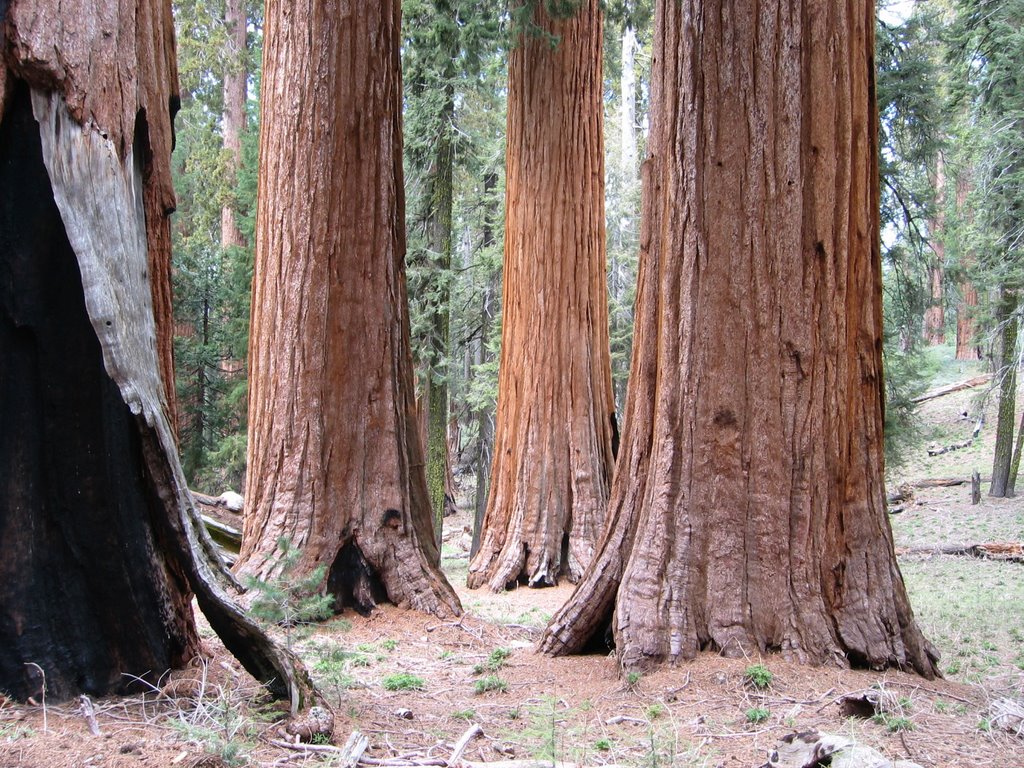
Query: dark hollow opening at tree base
{"x": 84, "y": 593}
{"x": 354, "y": 582}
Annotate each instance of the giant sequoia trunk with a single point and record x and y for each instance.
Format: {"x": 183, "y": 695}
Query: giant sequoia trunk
{"x": 748, "y": 512}
{"x": 334, "y": 462}
{"x": 553, "y": 434}
{"x": 100, "y": 546}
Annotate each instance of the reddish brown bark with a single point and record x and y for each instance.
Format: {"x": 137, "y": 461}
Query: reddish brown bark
{"x": 97, "y": 557}
{"x": 109, "y": 71}
{"x": 748, "y": 509}
{"x": 967, "y": 346}
{"x": 935, "y": 315}
{"x": 334, "y": 458}
{"x": 553, "y": 439}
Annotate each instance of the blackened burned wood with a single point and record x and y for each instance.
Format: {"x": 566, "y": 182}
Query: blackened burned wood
{"x": 101, "y": 546}
{"x": 86, "y": 588}
{"x": 115, "y": 543}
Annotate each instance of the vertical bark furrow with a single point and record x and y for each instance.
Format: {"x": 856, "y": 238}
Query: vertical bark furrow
{"x": 335, "y": 458}
{"x": 758, "y": 511}
{"x": 553, "y": 442}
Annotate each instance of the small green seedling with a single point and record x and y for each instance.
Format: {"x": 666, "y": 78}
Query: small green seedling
{"x": 403, "y": 681}
{"x": 758, "y": 676}
{"x": 494, "y": 662}
{"x": 758, "y": 714}
{"x": 490, "y": 683}
{"x": 893, "y": 723}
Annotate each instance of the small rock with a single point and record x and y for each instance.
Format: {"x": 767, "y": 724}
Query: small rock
{"x": 231, "y": 501}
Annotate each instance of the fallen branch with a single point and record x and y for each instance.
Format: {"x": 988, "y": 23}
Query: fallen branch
{"x": 1008, "y": 715}
{"x": 348, "y": 756}
{"x": 949, "y": 389}
{"x": 89, "y": 713}
{"x": 937, "y": 450}
{"x": 460, "y": 746}
{"x": 623, "y": 719}
{"x": 940, "y": 482}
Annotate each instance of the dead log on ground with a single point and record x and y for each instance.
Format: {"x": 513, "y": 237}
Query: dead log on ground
{"x": 975, "y": 381}
{"x": 937, "y": 450}
{"x": 1004, "y": 551}
{"x": 940, "y": 482}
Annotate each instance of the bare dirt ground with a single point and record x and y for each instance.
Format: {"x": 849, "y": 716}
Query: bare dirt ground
{"x": 413, "y": 684}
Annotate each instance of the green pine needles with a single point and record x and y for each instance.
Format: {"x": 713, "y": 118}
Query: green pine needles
{"x": 289, "y": 600}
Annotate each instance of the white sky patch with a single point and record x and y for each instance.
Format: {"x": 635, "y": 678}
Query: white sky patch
{"x": 895, "y": 11}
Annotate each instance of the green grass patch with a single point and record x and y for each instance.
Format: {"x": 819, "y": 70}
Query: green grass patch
{"x": 403, "y": 681}
{"x": 490, "y": 683}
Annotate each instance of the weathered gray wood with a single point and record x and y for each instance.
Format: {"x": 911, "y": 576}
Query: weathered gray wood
{"x": 975, "y": 381}
{"x": 100, "y": 199}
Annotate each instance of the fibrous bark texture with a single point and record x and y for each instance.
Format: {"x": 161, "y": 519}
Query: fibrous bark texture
{"x": 748, "y": 509}
{"x": 334, "y": 459}
{"x": 100, "y": 546}
{"x": 553, "y": 436}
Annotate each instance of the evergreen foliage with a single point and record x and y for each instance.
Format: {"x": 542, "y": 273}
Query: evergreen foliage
{"x": 211, "y": 284}
{"x": 288, "y": 601}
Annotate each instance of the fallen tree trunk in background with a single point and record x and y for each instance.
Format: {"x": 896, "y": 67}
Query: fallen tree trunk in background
{"x": 940, "y": 482}
{"x": 1004, "y": 551}
{"x": 949, "y": 389}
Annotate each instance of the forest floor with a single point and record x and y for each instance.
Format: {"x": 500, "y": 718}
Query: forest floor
{"x": 413, "y": 684}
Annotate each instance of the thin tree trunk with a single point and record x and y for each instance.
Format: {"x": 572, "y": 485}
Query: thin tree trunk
{"x": 335, "y": 461}
{"x": 967, "y": 346}
{"x": 553, "y": 435}
{"x": 439, "y": 240}
{"x": 233, "y": 122}
{"x": 484, "y": 418}
{"x": 935, "y": 315}
{"x": 1006, "y": 318}
{"x": 1011, "y": 482}
{"x": 748, "y": 509}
